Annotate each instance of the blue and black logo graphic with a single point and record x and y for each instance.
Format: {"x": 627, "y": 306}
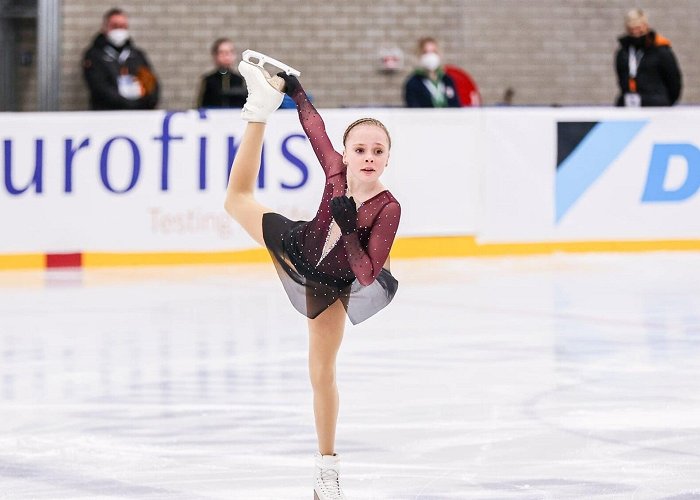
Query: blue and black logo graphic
{"x": 584, "y": 151}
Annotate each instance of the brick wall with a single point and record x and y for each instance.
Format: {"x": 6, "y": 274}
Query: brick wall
{"x": 549, "y": 51}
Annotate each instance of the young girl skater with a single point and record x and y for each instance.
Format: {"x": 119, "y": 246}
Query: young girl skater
{"x": 333, "y": 265}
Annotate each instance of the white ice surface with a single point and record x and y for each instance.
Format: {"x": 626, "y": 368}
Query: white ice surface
{"x": 568, "y": 376}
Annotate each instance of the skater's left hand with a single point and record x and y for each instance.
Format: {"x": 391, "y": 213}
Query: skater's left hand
{"x": 291, "y": 83}
{"x": 344, "y": 212}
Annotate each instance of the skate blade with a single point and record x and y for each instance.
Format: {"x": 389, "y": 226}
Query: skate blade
{"x": 262, "y": 59}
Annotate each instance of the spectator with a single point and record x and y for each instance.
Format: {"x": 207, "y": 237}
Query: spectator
{"x": 118, "y": 74}
{"x": 467, "y": 90}
{"x": 429, "y": 86}
{"x": 647, "y": 70}
{"x": 223, "y": 87}
{"x": 508, "y": 97}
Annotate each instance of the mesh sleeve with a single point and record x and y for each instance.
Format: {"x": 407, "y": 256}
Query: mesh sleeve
{"x": 367, "y": 264}
{"x": 314, "y": 127}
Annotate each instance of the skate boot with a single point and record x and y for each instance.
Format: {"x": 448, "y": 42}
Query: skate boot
{"x": 264, "y": 92}
{"x": 327, "y": 480}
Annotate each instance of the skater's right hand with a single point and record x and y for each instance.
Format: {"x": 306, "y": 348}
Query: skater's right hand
{"x": 291, "y": 83}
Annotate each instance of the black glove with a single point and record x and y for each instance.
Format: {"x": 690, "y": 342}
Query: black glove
{"x": 345, "y": 213}
{"x": 291, "y": 83}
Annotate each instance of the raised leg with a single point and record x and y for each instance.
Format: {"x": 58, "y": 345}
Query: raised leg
{"x": 263, "y": 98}
{"x": 240, "y": 200}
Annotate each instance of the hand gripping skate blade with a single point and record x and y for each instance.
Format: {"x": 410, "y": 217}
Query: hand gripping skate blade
{"x": 263, "y": 59}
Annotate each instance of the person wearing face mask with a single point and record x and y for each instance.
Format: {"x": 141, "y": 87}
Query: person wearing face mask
{"x": 647, "y": 70}
{"x": 117, "y": 73}
{"x": 223, "y": 87}
{"x": 429, "y": 86}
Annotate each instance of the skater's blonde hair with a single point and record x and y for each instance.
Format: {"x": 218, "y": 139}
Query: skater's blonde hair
{"x": 367, "y": 121}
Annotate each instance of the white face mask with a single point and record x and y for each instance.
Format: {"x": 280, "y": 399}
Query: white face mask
{"x": 430, "y": 61}
{"x": 118, "y": 37}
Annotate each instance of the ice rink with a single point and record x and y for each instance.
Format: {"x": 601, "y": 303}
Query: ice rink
{"x": 565, "y": 376}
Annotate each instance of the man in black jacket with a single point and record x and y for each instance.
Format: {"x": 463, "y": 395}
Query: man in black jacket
{"x": 118, "y": 74}
{"x": 647, "y": 70}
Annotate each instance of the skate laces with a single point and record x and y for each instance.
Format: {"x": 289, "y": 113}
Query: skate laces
{"x": 261, "y": 101}
{"x": 331, "y": 482}
{"x": 262, "y": 73}
{"x": 252, "y": 88}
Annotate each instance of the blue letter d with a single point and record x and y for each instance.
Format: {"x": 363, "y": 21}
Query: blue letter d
{"x": 658, "y": 168}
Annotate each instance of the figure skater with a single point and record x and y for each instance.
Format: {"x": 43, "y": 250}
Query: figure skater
{"x": 333, "y": 265}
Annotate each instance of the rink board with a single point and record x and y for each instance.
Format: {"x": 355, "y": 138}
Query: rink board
{"x": 148, "y": 187}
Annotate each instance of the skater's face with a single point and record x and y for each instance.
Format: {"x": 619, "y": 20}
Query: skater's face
{"x": 366, "y": 152}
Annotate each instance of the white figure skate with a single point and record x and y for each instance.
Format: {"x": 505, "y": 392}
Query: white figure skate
{"x": 265, "y": 92}
{"x": 327, "y": 480}
{"x": 262, "y": 59}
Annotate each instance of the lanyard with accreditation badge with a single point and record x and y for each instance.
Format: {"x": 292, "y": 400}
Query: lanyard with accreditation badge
{"x": 632, "y": 98}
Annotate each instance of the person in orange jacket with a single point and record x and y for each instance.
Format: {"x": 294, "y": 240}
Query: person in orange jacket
{"x": 647, "y": 70}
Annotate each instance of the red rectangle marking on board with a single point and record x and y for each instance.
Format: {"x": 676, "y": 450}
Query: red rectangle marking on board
{"x": 64, "y": 260}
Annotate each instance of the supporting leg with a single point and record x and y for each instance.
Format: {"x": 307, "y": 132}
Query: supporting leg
{"x": 325, "y": 335}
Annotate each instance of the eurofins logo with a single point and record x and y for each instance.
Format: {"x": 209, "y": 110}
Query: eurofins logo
{"x": 584, "y": 151}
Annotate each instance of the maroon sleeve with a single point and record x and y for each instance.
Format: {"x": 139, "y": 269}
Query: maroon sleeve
{"x": 331, "y": 161}
{"x": 367, "y": 264}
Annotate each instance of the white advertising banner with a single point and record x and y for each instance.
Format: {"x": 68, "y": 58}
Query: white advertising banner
{"x": 591, "y": 174}
{"x": 155, "y": 181}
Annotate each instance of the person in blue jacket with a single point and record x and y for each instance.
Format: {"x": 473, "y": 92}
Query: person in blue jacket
{"x": 429, "y": 86}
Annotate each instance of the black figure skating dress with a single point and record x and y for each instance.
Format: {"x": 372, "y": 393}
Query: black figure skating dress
{"x": 315, "y": 269}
